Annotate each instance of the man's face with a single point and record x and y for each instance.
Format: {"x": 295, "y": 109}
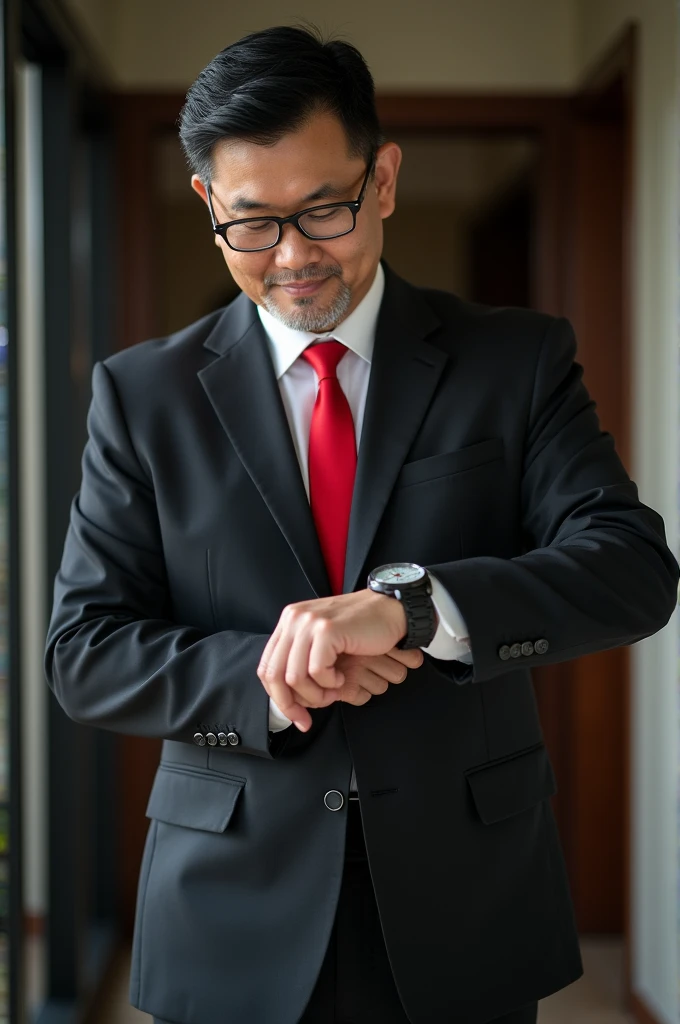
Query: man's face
{"x": 309, "y": 284}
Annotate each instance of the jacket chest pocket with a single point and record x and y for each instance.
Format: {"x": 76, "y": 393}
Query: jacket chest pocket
{"x": 448, "y": 464}
{"x": 434, "y": 502}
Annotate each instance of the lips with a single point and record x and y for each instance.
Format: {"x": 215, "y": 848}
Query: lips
{"x": 303, "y": 287}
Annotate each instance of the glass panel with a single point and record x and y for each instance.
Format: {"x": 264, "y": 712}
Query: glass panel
{"x": 4, "y": 696}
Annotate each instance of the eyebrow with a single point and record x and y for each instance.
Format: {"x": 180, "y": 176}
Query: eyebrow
{"x": 326, "y": 191}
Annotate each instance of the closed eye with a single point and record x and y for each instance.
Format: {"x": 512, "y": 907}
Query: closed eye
{"x": 325, "y": 215}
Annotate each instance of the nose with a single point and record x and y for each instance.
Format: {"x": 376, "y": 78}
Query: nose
{"x": 295, "y": 250}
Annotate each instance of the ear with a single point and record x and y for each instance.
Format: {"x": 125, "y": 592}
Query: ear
{"x": 387, "y": 163}
{"x": 201, "y": 190}
{"x": 199, "y": 187}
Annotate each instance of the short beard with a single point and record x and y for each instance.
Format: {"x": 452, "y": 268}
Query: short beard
{"x": 306, "y": 316}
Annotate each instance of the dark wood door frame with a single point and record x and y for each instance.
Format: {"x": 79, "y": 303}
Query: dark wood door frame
{"x": 608, "y": 92}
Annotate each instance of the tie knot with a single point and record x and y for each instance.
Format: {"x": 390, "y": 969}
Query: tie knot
{"x": 325, "y": 357}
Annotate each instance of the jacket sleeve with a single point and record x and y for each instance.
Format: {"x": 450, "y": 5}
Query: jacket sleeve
{"x": 114, "y": 658}
{"x": 596, "y": 572}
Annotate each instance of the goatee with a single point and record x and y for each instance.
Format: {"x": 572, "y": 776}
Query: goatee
{"x": 306, "y": 315}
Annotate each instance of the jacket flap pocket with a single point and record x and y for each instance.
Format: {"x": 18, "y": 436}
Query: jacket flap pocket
{"x": 193, "y": 799}
{"x": 501, "y": 789}
{"x": 448, "y": 463}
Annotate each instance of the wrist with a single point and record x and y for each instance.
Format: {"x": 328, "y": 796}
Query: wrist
{"x": 409, "y": 586}
{"x": 394, "y": 613}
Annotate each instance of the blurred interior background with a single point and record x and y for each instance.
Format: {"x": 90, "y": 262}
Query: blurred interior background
{"x": 540, "y": 168}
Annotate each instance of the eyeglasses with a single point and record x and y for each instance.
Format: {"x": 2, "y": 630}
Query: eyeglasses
{"x": 253, "y": 234}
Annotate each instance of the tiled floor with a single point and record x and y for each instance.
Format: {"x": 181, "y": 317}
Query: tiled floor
{"x": 593, "y": 999}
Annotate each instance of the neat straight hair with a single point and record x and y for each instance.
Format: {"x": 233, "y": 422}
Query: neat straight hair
{"x": 268, "y": 84}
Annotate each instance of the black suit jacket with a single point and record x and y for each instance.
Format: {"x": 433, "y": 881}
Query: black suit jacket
{"x": 481, "y": 457}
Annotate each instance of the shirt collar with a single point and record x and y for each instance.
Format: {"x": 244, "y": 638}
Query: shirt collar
{"x": 357, "y": 331}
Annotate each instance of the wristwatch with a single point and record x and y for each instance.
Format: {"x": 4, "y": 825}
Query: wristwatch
{"x": 411, "y": 585}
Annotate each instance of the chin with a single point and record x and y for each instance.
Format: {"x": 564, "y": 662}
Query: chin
{"x": 309, "y": 313}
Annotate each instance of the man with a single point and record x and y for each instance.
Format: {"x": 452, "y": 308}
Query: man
{"x": 391, "y": 855}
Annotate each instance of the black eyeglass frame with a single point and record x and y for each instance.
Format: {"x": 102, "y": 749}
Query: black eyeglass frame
{"x": 353, "y": 206}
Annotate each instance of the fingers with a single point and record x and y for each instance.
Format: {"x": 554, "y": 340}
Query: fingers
{"x": 302, "y": 681}
{"x": 299, "y": 715}
{"x": 357, "y": 695}
{"x": 283, "y": 671}
{"x": 271, "y": 672}
{"x": 393, "y": 670}
{"x": 302, "y": 666}
{"x": 374, "y": 683}
{"x": 412, "y": 658}
{"x": 323, "y": 656}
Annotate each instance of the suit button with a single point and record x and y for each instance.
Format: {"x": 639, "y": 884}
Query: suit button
{"x": 211, "y": 738}
{"x": 515, "y": 650}
{"x": 233, "y": 739}
{"x": 199, "y": 739}
{"x": 504, "y": 652}
{"x": 527, "y": 649}
{"x": 222, "y": 739}
{"x": 334, "y": 800}
{"x": 541, "y": 646}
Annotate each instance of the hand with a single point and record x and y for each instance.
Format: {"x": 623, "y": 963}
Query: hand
{"x": 367, "y": 675}
{"x": 298, "y": 665}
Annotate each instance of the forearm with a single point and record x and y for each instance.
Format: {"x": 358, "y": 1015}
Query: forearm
{"x": 596, "y": 571}
{"x": 600, "y": 589}
{"x": 153, "y": 678}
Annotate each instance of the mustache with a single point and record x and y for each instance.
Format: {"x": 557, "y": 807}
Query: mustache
{"x": 311, "y": 273}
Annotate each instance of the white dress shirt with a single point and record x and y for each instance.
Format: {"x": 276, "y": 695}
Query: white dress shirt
{"x": 298, "y": 385}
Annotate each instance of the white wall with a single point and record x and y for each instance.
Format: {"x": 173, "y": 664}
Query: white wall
{"x": 409, "y": 44}
{"x": 656, "y": 305}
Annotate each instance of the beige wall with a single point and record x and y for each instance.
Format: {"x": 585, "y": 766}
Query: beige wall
{"x": 414, "y": 44}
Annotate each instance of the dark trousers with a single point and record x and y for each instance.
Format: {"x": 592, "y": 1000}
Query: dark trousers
{"x": 355, "y": 984}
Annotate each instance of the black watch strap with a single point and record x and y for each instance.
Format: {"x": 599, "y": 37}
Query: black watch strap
{"x": 420, "y": 618}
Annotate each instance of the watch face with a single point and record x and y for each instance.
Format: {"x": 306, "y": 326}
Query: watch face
{"x": 398, "y": 573}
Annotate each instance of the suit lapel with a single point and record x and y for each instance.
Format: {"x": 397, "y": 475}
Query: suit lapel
{"x": 244, "y": 392}
{"x": 405, "y": 370}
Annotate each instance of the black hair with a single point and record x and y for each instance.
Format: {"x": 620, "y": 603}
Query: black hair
{"x": 268, "y": 84}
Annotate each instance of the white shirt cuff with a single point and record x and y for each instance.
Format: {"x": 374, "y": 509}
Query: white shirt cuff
{"x": 277, "y": 719}
{"x": 451, "y": 641}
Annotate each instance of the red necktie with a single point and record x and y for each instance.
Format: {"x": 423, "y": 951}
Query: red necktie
{"x": 332, "y": 459}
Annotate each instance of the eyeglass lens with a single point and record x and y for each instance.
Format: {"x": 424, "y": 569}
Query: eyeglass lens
{"x": 257, "y": 234}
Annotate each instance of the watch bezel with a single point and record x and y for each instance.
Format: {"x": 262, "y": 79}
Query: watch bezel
{"x": 383, "y": 586}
